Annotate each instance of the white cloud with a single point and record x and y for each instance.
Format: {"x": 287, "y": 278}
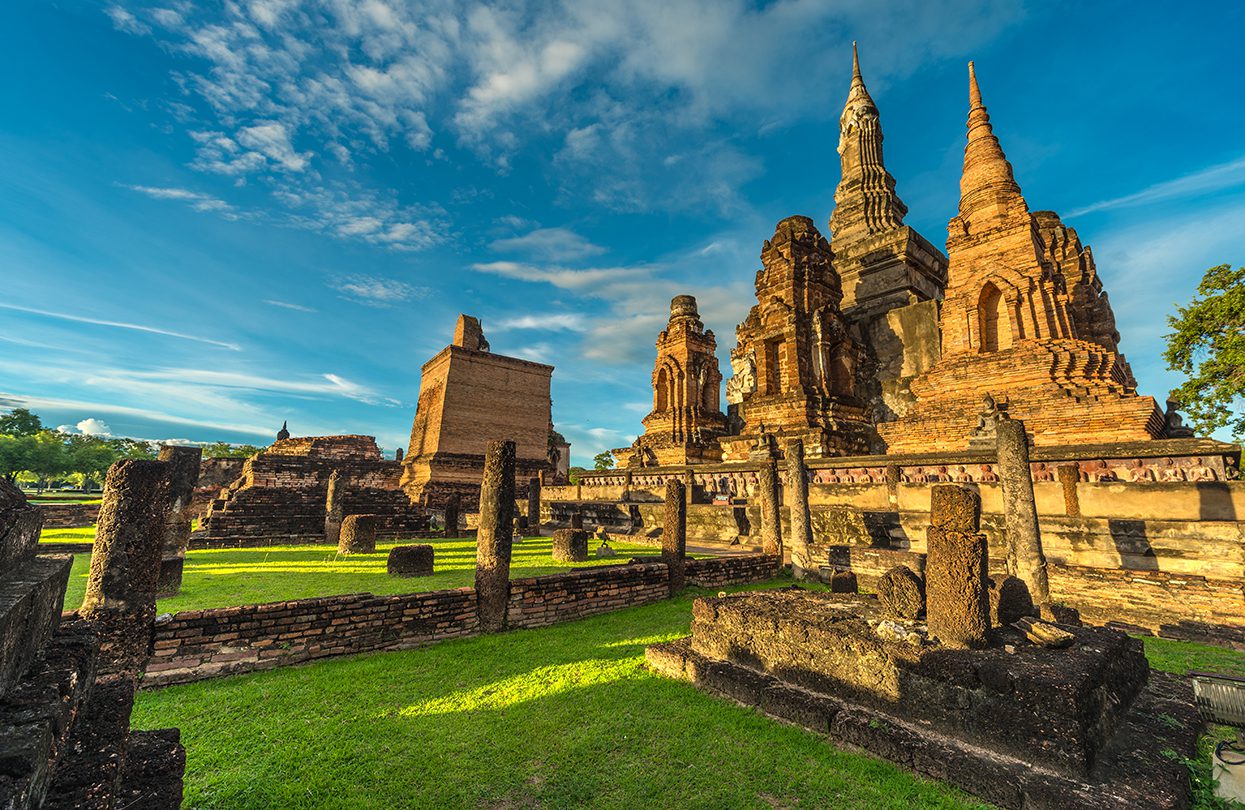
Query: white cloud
{"x": 64, "y": 316}
{"x": 550, "y": 322}
{"x": 1214, "y": 178}
{"x": 123, "y": 20}
{"x": 271, "y": 139}
{"x": 377, "y": 291}
{"x": 94, "y": 427}
{"x": 287, "y": 305}
{"x": 195, "y": 199}
{"x": 549, "y": 244}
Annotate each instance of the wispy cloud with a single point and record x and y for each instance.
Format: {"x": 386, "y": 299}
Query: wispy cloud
{"x": 195, "y": 199}
{"x": 376, "y": 291}
{"x": 35, "y": 402}
{"x": 1214, "y": 178}
{"x": 287, "y": 305}
{"x": 64, "y": 316}
{"x": 551, "y": 322}
{"x": 549, "y": 244}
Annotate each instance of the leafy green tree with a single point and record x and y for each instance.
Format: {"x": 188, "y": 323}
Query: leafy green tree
{"x": 48, "y": 457}
{"x": 14, "y": 455}
{"x": 20, "y": 422}
{"x": 1208, "y": 347}
{"x": 573, "y": 474}
{"x": 89, "y": 457}
{"x": 603, "y": 461}
{"x": 227, "y": 450}
{"x": 133, "y": 448}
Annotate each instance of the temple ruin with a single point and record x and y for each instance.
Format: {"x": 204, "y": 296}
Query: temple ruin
{"x": 469, "y": 396}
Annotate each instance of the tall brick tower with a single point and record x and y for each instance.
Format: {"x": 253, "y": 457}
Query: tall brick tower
{"x": 687, "y": 417}
{"x": 796, "y": 362}
{"x": 1024, "y": 320}
{"x": 885, "y": 265}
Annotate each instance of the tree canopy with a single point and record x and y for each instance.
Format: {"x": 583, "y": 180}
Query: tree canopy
{"x": 1207, "y": 345}
{"x": 603, "y": 461}
{"x": 20, "y": 422}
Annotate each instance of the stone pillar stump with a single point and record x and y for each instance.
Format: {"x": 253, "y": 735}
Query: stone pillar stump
{"x": 570, "y": 545}
{"x": 674, "y": 535}
{"x": 358, "y": 534}
{"x": 494, "y": 538}
{"x": 801, "y": 520}
{"x": 771, "y": 516}
{"x": 957, "y": 587}
{"x": 1024, "y": 539}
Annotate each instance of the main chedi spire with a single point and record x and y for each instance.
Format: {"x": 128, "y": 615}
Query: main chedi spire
{"x": 1025, "y": 320}
{"x": 988, "y": 190}
{"x": 865, "y": 202}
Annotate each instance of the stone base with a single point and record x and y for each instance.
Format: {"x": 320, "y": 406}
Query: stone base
{"x": 410, "y": 561}
{"x": 170, "y": 582}
{"x": 1140, "y": 767}
{"x": 570, "y": 545}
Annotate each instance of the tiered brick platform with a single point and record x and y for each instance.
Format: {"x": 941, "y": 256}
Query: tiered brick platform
{"x": 1017, "y": 724}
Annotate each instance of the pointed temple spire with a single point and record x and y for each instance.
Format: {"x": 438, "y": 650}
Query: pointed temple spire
{"x": 284, "y": 432}
{"x": 865, "y": 202}
{"x": 987, "y": 186}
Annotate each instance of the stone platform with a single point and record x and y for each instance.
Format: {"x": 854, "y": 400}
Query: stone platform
{"x": 1017, "y": 724}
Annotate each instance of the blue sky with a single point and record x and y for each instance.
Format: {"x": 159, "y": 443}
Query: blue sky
{"x": 218, "y": 215}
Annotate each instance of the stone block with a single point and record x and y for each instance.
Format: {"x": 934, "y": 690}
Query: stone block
{"x": 901, "y": 593}
{"x": 1009, "y": 600}
{"x": 570, "y": 545}
{"x": 410, "y": 561}
{"x": 170, "y": 583}
{"x": 955, "y": 508}
{"x": 957, "y": 600}
{"x": 843, "y": 582}
{"x": 31, "y": 599}
{"x": 358, "y": 534}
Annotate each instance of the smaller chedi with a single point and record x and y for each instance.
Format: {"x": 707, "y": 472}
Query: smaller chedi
{"x": 795, "y": 365}
{"x": 687, "y": 418}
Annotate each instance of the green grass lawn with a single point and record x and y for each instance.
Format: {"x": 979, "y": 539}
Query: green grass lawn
{"x": 565, "y": 716}
{"x": 225, "y": 577}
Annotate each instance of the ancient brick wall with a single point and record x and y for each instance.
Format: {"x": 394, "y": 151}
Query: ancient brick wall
{"x": 197, "y": 644}
{"x": 215, "y": 474}
{"x": 737, "y": 570}
{"x": 69, "y": 515}
{"x": 540, "y": 601}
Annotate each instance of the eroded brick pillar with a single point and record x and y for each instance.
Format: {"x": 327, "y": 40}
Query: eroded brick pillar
{"x": 957, "y": 587}
{"x": 184, "y": 464}
{"x": 1024, "y": 538}
{"x": 334, "y": 510}
{"x": 1069, "y": 475}
{"x": 120, "y": 599}
{"x": 533, "y": 506}
{"x": 493, "y": 538}
{"x": 801, "y": 521}
{"x": 771, "y": 516}
{"x": 674, "y": 535}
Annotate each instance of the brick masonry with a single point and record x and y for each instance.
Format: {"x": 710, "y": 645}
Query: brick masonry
{"x": 68, "y": 515}
{"x": 197, "y": 644}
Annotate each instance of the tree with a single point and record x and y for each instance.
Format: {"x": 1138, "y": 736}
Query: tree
{"x": 603, "y": 461}
{"x": 573, "y": 475}
{"x": 14, "y": 455}
{"x": 227, "y": 450}
{"x": 47, "y": 458}
{"x": 90, "y": 457}
{"x": 20, "y": 422}
{"x": 1208, "y": 347}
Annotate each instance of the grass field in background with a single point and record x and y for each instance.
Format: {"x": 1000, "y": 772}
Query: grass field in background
{"x": 226, "y": 577}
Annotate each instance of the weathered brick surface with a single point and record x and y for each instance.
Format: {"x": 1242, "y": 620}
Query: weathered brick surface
{"x": 540, "y": 601}
{"x": 69, "y": 515}
{"x": 713, "y": 572}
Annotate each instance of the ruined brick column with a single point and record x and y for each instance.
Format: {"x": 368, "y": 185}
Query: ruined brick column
{"x": 494, "y": 537}
{"x": 1069, "y": 475}
{"x": 1024, "y": 539}
{"x": 801, "y": 521}
{"x": 957, "y": 588}
{"x": 358, "y": 534}
{"x": 184, "y": 464}
{"x": 451, "y": 516}
{"x": 674, "y": 535}
{"x": 689, "y": 486}
{"x": 334, "y": 510}
{"x": 533, "y": 506}
{"x": 771, "y": 517}
{"x": 120, "y": 599}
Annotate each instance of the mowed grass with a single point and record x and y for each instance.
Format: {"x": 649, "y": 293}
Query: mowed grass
{"x": 226, "y": 577}
{"x": 565, "y": 716}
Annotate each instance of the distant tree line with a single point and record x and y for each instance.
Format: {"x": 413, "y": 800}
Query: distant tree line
{"x": 33, "y": 454}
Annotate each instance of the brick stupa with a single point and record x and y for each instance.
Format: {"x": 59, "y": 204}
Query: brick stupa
{"x": 1025, "y": 320}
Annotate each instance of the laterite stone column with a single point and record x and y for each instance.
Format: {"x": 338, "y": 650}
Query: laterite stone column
{"x": 771, "y": 517}
{"x": 533, "y": 506}
{"x": 184, "y": 464}
{"x": 1024, "y": 539}
{"x": 120, "y": 596}
{"x": 494, "y": 538}
{"x": 334, "y": 510}
{"x": 957, "y": 587}
{"x": 451, "y": 516}
{"x": 801, "y": 521}
{"x": 674, "y": 535}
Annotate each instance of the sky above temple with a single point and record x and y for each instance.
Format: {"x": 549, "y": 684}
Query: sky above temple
{"x": 216, "y": 216}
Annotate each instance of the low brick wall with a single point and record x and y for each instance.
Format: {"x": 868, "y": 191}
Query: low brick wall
{"x": 197, "y": 644}
{"x": 715, "y": 572}
{"x": 68, "y": 515}
{"x": 541, "y": 601}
